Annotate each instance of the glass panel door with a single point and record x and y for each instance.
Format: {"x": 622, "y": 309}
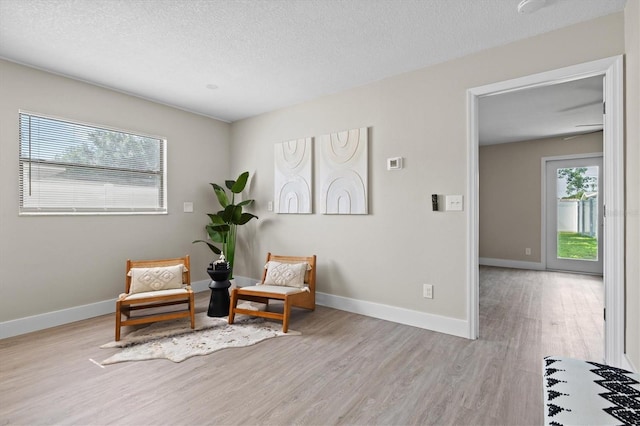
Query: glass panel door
{"x": 574, "y": 210}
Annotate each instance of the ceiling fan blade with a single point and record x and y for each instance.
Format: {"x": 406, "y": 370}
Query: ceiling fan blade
{"x": 584, "y": 105}
{"x": 567, "y": 138}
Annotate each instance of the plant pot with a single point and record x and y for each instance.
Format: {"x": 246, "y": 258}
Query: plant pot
{"x": 219, "y": 275}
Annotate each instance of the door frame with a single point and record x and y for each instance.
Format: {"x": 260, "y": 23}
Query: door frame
{"x": 544, "y": 203}
{"x": 613, "y": 155}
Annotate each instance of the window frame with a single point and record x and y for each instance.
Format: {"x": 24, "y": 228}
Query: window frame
{"x": 23, "y": 162}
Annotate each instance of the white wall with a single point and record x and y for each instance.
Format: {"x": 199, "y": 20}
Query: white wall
{"x": 632, "y": 88}
{"x": 385, "y": 257}
{"x": 49, "y": 263}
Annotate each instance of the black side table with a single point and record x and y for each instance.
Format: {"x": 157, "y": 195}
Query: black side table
{"x": 219, "y": 302}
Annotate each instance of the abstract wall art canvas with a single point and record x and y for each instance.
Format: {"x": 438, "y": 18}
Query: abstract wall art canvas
{"x": 293, "y": 174}
{"x": 343, "y": 173}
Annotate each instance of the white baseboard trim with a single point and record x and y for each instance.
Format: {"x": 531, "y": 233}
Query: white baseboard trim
{"x": 53, "y": 319}
{"x": 424, "y": 320}
{"x": 516, "y": 264}
{"x": 65, "y": 316}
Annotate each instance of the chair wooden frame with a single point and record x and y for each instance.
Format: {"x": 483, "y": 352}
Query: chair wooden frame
{"x": 149, "y": 300}
{"x": 303, "y": 298}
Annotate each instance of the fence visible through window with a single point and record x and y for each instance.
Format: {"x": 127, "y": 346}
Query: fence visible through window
{"x": 577, "y": 207}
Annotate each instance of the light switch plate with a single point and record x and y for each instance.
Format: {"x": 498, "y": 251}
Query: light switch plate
{"x": 187, "y": 207}
{"x": 394, "y": 163}
{"x": 454, "y": 202}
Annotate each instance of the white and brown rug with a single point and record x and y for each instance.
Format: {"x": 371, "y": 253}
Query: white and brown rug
{"x": 176, "y": 341}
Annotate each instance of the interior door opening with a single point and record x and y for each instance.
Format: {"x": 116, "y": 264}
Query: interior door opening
{"x": 613, "y": 192}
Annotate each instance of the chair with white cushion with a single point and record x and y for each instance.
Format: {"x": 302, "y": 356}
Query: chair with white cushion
{"x": 291, "y": 279}
{"x": 150, "y": 287}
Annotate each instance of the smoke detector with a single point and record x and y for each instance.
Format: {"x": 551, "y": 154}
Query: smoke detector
{"x": 530, "y": 6}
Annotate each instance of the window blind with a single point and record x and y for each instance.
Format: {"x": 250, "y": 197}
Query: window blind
{"x": 74, "y": 168}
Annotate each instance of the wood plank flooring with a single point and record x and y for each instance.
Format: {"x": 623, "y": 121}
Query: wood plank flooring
{"x": 345, "y": 369}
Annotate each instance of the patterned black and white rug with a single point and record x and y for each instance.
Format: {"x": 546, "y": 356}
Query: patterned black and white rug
{"x": 578, "y": 392}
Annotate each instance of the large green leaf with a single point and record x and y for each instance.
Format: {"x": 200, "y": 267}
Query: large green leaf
{"x": 232, "y": 213}
{"x": 222, "y": 228}
{"x": 213, "y": 248}
{"x": 245, "y": 217}
{"x": 227, "y": 213}
{"x": 215, "y": 218}
{"x": 238, "y": 187}
{"x": 218, "y": 233}
{"x": 229, "y": 183}
{"x": 245, "y": 202}
{"x": 221, "y": 195}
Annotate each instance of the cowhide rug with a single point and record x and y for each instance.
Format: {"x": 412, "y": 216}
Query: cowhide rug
{"x": 176, "y": 341}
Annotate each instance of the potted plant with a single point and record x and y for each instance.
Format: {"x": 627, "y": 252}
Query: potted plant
{"x": 223, "y": 226}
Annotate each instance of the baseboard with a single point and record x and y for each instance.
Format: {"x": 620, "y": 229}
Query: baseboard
{"x": 55, "y": 318}
{"x": 515, "y": 264}
{"x": 65, "y": 316}
{"x": 424, "y": 320}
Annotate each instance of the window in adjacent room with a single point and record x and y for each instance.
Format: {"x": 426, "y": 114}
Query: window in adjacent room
{"x": 73, "y": 168}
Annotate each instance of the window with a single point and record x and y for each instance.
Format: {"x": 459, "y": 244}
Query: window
{"x": 74, "y": 168}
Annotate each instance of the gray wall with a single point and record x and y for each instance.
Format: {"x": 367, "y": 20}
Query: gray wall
{"x": 632, "y": 87}
{"x": 510, "y": 193}
{"x": 48, "y": 263}
{"x": 420, "y": 116}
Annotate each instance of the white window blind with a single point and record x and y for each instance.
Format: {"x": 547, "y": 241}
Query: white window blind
{"x": 74, "y": 168}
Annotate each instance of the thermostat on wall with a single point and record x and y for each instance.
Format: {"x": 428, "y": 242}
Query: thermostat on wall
{"x": 394, "y": 163}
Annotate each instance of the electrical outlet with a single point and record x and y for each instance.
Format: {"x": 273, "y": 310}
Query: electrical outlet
{"x": 427, "y": 291}
{"x": 527, "y": 251}
{"x": 270, "y": 206}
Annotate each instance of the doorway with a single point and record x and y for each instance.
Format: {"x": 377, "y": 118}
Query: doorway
{"x": 613, "y": 197}
{"x": 573, "y": 208}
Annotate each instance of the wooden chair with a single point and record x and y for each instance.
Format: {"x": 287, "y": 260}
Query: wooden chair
{"x": 292, "y": 296}
{"x": 133, "y": 300}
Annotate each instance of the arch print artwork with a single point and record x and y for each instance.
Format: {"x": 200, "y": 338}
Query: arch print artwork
{"x": 292, "y": 176}
{"x": 343, "y": 174}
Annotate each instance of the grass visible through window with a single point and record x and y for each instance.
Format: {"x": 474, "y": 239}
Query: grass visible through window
{"x": 572, "y": 245}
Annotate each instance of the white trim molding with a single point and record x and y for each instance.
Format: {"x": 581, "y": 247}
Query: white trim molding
{"x": 65, "y": 316}
{"x": 612, "y": 70}
{"x": 53, "y": 319}
{"x": 441, "y": 324}
{"x": 508, "y": 263}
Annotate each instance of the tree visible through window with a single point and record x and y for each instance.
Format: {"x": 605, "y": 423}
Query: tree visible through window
{"x": 68, "y": 167}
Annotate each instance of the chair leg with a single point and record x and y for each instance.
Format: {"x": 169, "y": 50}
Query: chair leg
{"x": 285, "y": 315}
{"x": 118, "y": 320}
{"x": 192, "y": 309}
{"x": 232, "y": 305}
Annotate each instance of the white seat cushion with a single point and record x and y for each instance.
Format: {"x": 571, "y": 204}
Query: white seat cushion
{"x": 153, "y": 294}
{"x": 279, "y": 289}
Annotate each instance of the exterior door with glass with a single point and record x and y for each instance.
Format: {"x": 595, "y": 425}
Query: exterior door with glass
{"x": 574, "y": 222}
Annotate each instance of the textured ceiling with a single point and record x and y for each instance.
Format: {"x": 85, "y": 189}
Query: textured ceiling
{"x": 262, "y": 55}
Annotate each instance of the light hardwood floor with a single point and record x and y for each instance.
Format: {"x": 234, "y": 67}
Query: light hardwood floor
{"x": 344, "y": 369}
